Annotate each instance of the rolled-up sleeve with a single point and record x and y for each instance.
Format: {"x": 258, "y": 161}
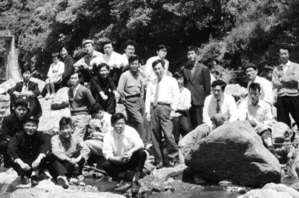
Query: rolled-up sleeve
{"x": 108, "y": 146}
{"x": 57, "y": 150}
{"x": 84, "y": 149}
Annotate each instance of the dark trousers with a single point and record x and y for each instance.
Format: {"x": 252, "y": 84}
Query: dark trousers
{"x": 136, "y": 163}
{"x": 3, "y": 150}
{"x": 135, "y": 110}
{"x": 288, "y": 105}
{"x": 42, "y": 166}
{"x": 162, "y": 124}
{"x": 59, "y": 167}
{"x": 196, "y": 112}
{"x": 181, "y": 125}
{"x": 115, "y": 75}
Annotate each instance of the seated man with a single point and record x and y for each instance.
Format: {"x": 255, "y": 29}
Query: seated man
{"x": 28, "y": 150}
{"x": 69, "y": 153}
{"x": 258, "y": 113}
{"x": 219, "y": 103}
{"x": 11, "y": 125}
{"x": 123, "y": 150}
{"x": 29, "y": 91}
{"x": 99, "y": 125}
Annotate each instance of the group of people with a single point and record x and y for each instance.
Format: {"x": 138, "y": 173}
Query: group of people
{"x": 158, "y": 108}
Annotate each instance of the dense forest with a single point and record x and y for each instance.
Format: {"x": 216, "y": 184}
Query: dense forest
{"x": 231, "y": 31}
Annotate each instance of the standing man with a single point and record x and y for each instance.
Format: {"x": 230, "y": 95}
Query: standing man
{"x": 85, "y": 64}
{"x": 285, "y": 78}
{"x": 198, "y": 81}
{"x": 68, "y": 66}
{"x": 161, "y": 102}
{"x": 131, "y": 89}
{"x": 219, "y": 103}
{"x": 130, "y": 48}
{"x": 266, "y": 86}
{"x": 81, "y": 100}
{"x": 113, "y": 59}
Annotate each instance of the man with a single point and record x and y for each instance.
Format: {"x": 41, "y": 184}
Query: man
{"x": 11, "y": 125}
{"x": 28, "y": 150}
{"x": 257, "y": 112}
{"x": 266, "y": 86}
{"x": 181, "y": 120}
{"x": 148, "y": 69}
{"x": 29, "y": 91}
{"x": 285, "y": 80}
{"x": 80, "y": 99}
{"x": 219, "y": 103}
{"x": 160, "y": 105}
{"x": 69, "y": 154}
{"x": 131, "y": 89}
{"x": 198, "y": 82}
{"x": 68, "y": 66}
{"x": 113, "y": 59}
{"x": 123, "y": 150}
{"x": 130, "y": 48}
{"x": 92, "y": 57}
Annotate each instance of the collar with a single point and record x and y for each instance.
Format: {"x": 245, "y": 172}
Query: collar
{"x": 257, "y": 105}
{"x": 287, "y": 64}
{"x": 118, "y": 135}
{"x": 65, "y": 140}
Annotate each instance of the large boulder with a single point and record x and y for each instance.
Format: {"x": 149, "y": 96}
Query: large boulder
{"x": 236, "y": 91}
{"x": 61, "y": 99}
{"x": 4, "y": 105}
{"x": 234, "y": 152}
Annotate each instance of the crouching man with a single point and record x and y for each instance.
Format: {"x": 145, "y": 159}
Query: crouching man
{"x": 69, "y": 152}
{"x": 28, "y": 150}
{"x": 123, "y": 149}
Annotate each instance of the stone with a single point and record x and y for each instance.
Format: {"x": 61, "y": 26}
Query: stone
{"x": 4, "y": 105}
{"x": 61, "y": 99}
{"x": 236, "y": 91}
{"x": 41, "y": 84}
{"x": 279, "y": 129}
{"x": 234, "y": 152}
{"x": 164, "y": 174}
{"x": 282, "y": 188}
{"x": 263, "y": 193}
{"x": 6, "y": 85}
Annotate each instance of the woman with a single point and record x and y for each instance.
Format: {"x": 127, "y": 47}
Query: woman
{"x": 55, "y": 74}
{"x": 103, "y": 88}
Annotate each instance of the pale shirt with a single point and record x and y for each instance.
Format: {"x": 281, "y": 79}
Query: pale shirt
{"x": 95, "y": 59}
{"x": 124, "y": 60}
{"x": 184, "y": 99}
{"x": 228, "y": 108}
{"x": 56, "y": 70}
{"x": 149, "y": 71}
{"x": 169, "y": 92}
{"x": 130, "y": 85}
{"x": 118, "y": 144}
{"x": 261, "y": 113}
{"x": 266, "y": 89}
{"x": 104, "y": 123}
{"x": 115, "y": 60}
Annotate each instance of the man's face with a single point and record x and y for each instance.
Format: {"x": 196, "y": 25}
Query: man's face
{"x": 162, "y": 53}
{"x": 119, "y": 126}
{"x": 217, "y": 92}
{"x": 88, "y": 48}
{"x": 21, "y": 112}
{"x": 108, "y": 49}
{"x": 254, "y": 96}
{"x": 284, "y": 55}
{"x": 130, "y": 50}
{"x": 30, "y": 128}
{"x": 104, "y": 72}
{"x": 134, "y": 66}
{"x": 251, "y": 73}
{"x": 191, "y": 55}
{"x": 74, "y": 80}
{"x": 26, "y": 76}
{"x": 159, "y": 70}
{"x": 181, "y": 81}
{"x": 55, "y": 59}
{"x": 98, "y": 115}
{"x": 63, "y": 52}
{"x": 66, "y": 131}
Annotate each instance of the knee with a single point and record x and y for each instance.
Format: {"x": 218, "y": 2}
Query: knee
{"x": 141, "y": 154}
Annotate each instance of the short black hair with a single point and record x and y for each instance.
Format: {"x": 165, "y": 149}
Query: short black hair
{"x": 21, "y": 102}
{"x": 161, "y": 47}
{"x": 255, "y": 86}
{"x": 95, "y": 108}
{"x": 192, "y": 48}
{"x": 77, "y": 72}
{"x": 26, "y": 70}
{"x": 130, "y": 42}
{"x": 99, "y": 67}
{"x": 55, "y": 54}
{"x": 178, "y": 75}
{"x": 65, "y": 121}
{"x": 117, "y": 116}
{"x": 64, "y": 48}
{"x": 134, "y": 58}
{"x": 108, "y": 41}
{"x": 156, "y": 62}
{"x": 220, "y": 83}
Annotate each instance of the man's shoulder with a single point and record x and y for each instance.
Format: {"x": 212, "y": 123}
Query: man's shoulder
{"x": 202, "y": 66}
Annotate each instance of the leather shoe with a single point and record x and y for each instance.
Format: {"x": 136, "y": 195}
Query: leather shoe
{"x": 34, "y": 180}
{"x": 135, "y": 187}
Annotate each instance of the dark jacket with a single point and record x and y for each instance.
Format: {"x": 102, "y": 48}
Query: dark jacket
{"x": 11, "y": 125}
{"x": 33, "y": 102}
{"x": 68, "y": 66}
{"x": 199, "y": 83}
{"x": 28, "y": 148}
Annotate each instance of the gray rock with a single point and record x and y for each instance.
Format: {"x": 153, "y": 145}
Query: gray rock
{"x": 282, "y": 188}
{"x": 164, "y": 174}
{"x": 234, "y": 152}
{"x": 263, "y": 193}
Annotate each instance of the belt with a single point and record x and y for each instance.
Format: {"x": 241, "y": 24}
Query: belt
{"x": 162, "y": 104}
{"x": 133, "y": 96}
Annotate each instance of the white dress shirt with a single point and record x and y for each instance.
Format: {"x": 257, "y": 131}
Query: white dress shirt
{"x": 184, "y": 99}
{"x": 228, "y": 108}
{"x": 117, "y": 144}
{"x": 115, "y": 60}
{"x": 266, "y": 89}
{"x": 168, "y": 92}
